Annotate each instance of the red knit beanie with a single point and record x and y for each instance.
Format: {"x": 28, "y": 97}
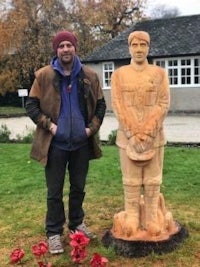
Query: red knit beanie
{"x": 64, "y": 36}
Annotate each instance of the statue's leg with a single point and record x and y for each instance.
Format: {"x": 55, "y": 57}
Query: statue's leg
{"x": 132, "y": 179}
{"x": 152, "y": 181}
{"x": 151, "y": 199}
{"x": 132, "y": 206}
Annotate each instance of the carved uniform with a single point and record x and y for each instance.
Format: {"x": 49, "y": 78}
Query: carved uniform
{"x": 140, "y": 100}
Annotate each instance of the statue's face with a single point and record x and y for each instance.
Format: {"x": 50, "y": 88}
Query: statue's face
{"x": 139, "y": 50}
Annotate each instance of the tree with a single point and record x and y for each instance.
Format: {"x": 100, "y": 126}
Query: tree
{"x": 27, "y": 27}
{"x": 163, "y": 11}
{"x": 97, "y": 21}
{"x": 27, "y": 30}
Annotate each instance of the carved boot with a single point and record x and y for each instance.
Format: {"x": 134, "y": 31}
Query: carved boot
{"x": 151, "y": 199}
{"x": 132, "y": 206}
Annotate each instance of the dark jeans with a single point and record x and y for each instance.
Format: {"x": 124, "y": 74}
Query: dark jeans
{"x": 77, "y": 163}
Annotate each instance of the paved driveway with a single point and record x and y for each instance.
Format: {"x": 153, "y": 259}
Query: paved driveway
{"x": 184, "y": 129}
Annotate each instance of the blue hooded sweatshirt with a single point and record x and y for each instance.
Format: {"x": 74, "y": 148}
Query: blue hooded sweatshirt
{"x": 71, "y": 133}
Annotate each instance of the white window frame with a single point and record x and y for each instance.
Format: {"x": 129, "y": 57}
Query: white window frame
{"x": 181, "y": 71}
{"x": 108, "y": 68}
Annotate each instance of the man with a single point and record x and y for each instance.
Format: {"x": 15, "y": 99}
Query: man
{"x": 67, "y": 104}
{"x": 140, "y": 99}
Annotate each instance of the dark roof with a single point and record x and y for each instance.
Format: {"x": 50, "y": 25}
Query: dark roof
{"x": 179, "y": 36}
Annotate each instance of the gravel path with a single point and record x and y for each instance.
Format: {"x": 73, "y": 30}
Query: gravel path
{"x": 184, "y": 129}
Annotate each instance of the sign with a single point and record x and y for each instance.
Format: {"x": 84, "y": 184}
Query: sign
{"x": 22, "y": 92}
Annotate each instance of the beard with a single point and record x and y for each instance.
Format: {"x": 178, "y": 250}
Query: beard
{"x": 66, "y": 58}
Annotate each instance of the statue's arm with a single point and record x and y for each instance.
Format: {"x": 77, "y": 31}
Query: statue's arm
{"x": 158, "y": 113}
{"x": 125, "y": 119}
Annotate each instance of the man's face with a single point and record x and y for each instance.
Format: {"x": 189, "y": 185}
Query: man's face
{"x": 139, "y": 50}
{"x": 66, "y": 52}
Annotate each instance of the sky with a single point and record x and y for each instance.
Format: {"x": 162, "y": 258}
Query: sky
{"x": 185, "y": 7}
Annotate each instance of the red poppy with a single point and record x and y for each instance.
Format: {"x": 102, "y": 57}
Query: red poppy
{"x": 43, "y": 247}
{"x": 41, "y": 264}
{"x": 40, "y": 249}
{"x": 98, "y": 261}
{"x": 78, "y": 254}
{"x": 16, "y": 255}
{"x": 78, "y": 239}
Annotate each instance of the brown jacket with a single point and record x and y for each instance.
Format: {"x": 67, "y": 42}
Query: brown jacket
{"x": 43, "y": 106}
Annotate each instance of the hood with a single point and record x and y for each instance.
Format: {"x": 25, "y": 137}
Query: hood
{"x": 58, "y": 67}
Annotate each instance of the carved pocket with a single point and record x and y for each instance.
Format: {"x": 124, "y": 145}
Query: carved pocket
{"x": 129, "y": 98}
{"x": 150, "y": 98}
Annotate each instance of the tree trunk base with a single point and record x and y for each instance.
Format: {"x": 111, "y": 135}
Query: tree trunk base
{"x": 141, "y": 248}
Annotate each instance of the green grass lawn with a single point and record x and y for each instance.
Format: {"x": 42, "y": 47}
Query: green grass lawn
{"x": 11, "y": 111}
{"x": 23, "y": 205}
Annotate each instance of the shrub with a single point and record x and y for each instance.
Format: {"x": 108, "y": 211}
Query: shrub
{"x": 4, "y": 134}
{"x": 28, "y": 138}
{"x": 112, "y": 137}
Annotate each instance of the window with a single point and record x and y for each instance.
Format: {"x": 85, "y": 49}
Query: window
{"x": 173, "y": 71}
{"x": 197, "y": 70}
{"x": 160, "y": 63}
{"x": 108, "y": 69}
{"x": 184, "y": 72}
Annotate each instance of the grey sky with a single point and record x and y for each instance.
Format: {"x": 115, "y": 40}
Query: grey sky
{"x": 185, "y": 7}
